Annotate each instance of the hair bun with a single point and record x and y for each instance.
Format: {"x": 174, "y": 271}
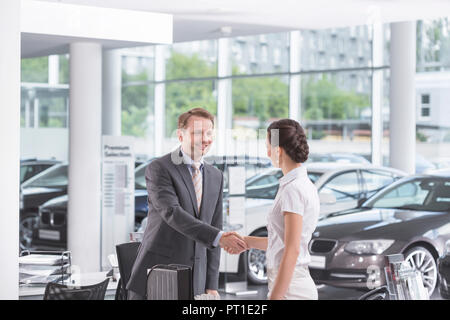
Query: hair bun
{"x": 292, "y": 139}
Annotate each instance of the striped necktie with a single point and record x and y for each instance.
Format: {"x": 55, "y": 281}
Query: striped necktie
{"x": 198, "y": 183}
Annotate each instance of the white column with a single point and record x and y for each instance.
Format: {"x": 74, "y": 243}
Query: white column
{"x": 85, "y": 156}
{"x": 224, "y": 87}
{"x": 377, "y": 94}
{"x": 160, "y": 99}
{"x": 112, "y": 93}
{"x": 295, "y": 81}
{"x": 10, "y": 147}
{"x": 53, "y": 70}
{"x": 402, "y": 96}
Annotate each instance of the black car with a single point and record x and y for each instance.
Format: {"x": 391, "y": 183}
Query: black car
{"x": 31, "y": 167}
{"x": 444, "y": 272}
{"x": 51, "y": 230}
{"x": 47, "y": 185}
{"x": 411, "y": 217}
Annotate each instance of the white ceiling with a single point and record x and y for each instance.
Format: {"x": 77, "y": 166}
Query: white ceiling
{"x": 202, "y": 19}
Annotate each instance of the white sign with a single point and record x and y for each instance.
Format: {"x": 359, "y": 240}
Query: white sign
{"x": 117, "y": 193}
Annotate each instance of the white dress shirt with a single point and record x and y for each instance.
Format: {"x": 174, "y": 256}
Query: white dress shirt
{"x": 187, "y": 160}
{"x": 296, "y": 194}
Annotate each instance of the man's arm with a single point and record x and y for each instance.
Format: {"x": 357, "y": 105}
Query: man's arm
{"x": 163, "y": 197}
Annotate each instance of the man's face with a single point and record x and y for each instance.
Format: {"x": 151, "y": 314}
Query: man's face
{"x": 197, "y": 137}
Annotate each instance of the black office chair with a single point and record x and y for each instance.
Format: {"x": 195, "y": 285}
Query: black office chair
{"x": 56, "y": 291}
{"x": 380, "y": 293}
{"x": 126, "y": 255}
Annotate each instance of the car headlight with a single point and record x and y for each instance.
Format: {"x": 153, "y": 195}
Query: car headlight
{"x": 377, "y": 246}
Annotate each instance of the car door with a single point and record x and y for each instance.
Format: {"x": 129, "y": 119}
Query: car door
{"x": 345, "y": 187}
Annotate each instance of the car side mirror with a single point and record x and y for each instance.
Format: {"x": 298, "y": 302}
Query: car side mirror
{"x": 327, "y": 198}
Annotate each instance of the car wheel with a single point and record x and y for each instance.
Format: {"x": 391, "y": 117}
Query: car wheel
{"x": 256, "y": 262}
{"x": 28, "y": 223}
{"x": 423, "y": 261}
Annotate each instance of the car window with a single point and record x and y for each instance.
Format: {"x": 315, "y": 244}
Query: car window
{"x": 25, "y": 172}
{"x": 313, "y": 176}
{"x": 376, "y": 180}
{"x": 264, "y": 186}
{"x": 420, "y": 194}
{"x": 55, "y": 178}
{"x": 344, "y": 186}
{"x": 30, "y": 170}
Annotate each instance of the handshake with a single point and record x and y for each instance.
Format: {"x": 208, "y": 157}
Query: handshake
{"x": 233, "y": 243}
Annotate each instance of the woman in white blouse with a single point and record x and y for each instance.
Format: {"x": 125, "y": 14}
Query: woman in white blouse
{"x": 293, "y": 217}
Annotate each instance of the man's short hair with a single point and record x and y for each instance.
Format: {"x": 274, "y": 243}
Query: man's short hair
{"x": 199, "y": 112}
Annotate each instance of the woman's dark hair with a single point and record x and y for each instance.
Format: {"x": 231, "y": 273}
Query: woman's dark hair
{"x": 291, "y": 137}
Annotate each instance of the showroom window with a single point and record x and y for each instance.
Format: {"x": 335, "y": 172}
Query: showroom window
{"x": 432, "y": 85}
{"x": 138, "y": 98}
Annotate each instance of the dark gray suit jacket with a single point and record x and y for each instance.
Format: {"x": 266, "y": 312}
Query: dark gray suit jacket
{"x": 176, "y": 231}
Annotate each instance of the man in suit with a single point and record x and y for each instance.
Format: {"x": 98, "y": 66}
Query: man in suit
{"x": 185, "y": 210}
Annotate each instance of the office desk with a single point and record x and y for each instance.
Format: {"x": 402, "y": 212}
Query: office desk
{"x": 37, "y": 292}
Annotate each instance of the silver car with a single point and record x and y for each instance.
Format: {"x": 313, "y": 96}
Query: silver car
{"x": 341, "y": 186}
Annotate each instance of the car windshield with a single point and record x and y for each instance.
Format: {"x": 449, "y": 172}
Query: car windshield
{"x": 423, "y": 194}
{"x": 139, "y": 178}
{"x": 52, "y": 178}
{"x": 313, "y": 176}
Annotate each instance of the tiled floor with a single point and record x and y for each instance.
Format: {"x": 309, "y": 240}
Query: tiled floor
{"x": 325, "y": 293}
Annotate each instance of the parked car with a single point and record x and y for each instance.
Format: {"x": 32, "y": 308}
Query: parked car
{"x": 341, "y": 186}
{"x": 444, "y": 272}
{"x": 47, "y": 185}
{"x": 341, "y": 157}
{"x": 44, "y": 186}
{"x": 31, "y": 167}
{"x": 410, "y": 216}
{"x": 50, "y": 232}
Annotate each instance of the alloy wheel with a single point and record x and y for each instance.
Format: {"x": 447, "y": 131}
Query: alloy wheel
{"x": 257, "y": 266}
{"x": 423, "y": 261}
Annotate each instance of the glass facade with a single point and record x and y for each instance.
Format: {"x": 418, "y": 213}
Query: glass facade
{"x": 325, "y": 79}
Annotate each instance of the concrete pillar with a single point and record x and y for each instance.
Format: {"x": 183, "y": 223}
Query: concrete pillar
{"x": 160, "y": 100}
{"x": 10, "y": 148}
{"x": 84, "y": 207}
{"x": 224, "y": 98}
{"x": 402, "y": 96}
{"x": 112, "y": 93}
{"x": 295, "y": 80}
{"x": 53, "y": 70}
{"x": 377, "y": 94}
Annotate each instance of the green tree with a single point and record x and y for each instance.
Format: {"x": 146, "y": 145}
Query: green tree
{"x": 182, "y": 95}
{"x": 263, "y": 97}
{"x": 323, "y": 99}
{"x": 34, "y": 69}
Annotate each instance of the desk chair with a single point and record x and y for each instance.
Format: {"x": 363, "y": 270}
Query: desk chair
{"x": 56, "y": 291}
{"x": 126, "y": 255}
{"x": 380, "y": 293}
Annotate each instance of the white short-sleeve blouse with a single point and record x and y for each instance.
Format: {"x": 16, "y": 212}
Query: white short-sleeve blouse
{"x": 296, "y": 194}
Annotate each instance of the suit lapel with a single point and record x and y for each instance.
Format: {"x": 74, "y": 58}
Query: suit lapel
{"x": 187, "y": 178}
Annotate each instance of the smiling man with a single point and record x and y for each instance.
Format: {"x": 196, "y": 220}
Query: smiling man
{"x": 185, "y": 210}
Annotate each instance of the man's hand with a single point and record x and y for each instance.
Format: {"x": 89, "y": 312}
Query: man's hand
{"x": 233, "y": 243}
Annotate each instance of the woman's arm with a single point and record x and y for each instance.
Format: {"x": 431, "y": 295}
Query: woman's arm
{"x": 293, "y": 230}
{"x": 256, "y": 242}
